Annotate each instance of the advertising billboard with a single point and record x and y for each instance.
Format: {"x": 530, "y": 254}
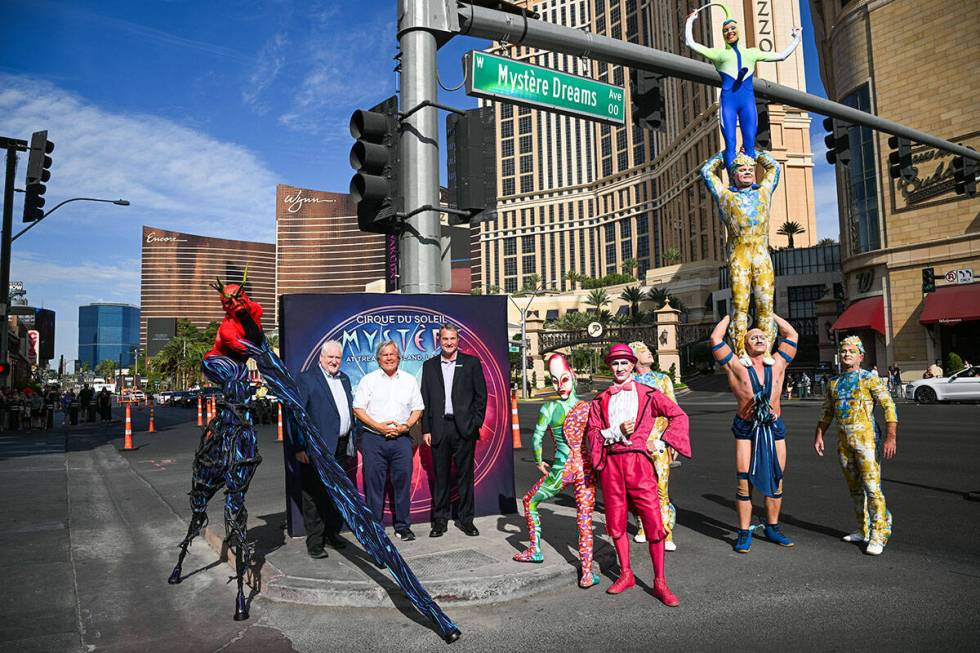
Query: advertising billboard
{"x": 360, "y": 322}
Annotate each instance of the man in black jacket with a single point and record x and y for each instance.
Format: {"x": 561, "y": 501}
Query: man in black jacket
{"x": 455, "y": 394}
{"x": 325, "y": 392}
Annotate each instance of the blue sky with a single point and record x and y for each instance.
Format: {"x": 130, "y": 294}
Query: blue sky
{"x": 194, "y": 111}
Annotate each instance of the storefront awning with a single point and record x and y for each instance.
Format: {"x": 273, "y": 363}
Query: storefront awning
{"x": 863, "y": 314}
{"x": 952, "y": 304}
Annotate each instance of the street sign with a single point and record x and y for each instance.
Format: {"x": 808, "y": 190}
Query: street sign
{"x": 959, "y": 276}
{"x": 509, "y": 80}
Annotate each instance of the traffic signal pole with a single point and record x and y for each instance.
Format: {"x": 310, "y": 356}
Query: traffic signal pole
{"x": 517, "y": 29}
{"x": 420, "y": 267}
{"x": 12, "y": 146}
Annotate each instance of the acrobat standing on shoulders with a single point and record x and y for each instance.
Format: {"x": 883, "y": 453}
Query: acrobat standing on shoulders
{"x": 736, "y": 65}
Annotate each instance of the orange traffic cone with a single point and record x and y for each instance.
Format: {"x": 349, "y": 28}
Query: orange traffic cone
{"x": 515, "y": 421}
{"x": 128, "y": 439}
{"x": 200, "y": 411}
{"x": 279, "y": 437}
{"x": 152, "y": 428}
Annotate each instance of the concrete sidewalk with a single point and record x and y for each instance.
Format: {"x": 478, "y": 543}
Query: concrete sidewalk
{"x": 455, "y": 568}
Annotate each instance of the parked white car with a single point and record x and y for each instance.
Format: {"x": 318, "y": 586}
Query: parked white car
{"x": 962, "y": 386}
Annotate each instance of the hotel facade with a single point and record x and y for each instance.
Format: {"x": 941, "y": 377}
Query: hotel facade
{"x": 576, "y": 195}
{"x": 177, "y": 270}
{"x": 879, "y": 56}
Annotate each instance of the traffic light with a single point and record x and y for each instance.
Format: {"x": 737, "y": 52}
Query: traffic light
{"x": 472, "y": 165}
{"x": 374, "y": 158}
{"x": 900, "y": 159}
{"x": 4, "y": 369}
{"x": 647, "y": 98}
{"x": 928, "y": 280}
{"x": 38, "y": 173}
{"x": 965, "y": 175}
{"x": 838, "y": 141}
{"x": 763, "y": 134}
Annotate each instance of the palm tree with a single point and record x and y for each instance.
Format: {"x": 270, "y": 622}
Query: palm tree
{"x": 789, "y": 229}
{"x": 598, "y": 299}
{"x": 634, "y": 295}
{"x": 660, "y": 296}
{"x": 572, "y": 277}
{"x": 629, "y": 265}
{"x": 671, "y": 255}
{"x": 531, "y": 282}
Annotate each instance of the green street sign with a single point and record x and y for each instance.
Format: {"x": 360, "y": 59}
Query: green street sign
{"x": 508, "y": 80}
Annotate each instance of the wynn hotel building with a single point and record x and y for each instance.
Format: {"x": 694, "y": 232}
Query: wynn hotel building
{"x": 577, "y": 195}
{"x": 178, "y": 268}
{"x": 319, "y": 248}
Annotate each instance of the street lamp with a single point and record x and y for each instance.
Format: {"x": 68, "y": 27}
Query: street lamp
{"x": 523, "y": 312}
{"x": 119, "y": 202}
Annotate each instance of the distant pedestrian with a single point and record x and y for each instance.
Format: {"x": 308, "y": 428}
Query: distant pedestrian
{"x": 85, "y": 396}
{"x": 104, "y": 403}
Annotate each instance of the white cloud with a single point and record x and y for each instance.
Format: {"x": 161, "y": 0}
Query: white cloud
{"x": 174, "y": 176}
{"x": 269, "y": 62}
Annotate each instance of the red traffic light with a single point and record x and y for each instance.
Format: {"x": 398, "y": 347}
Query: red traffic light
{"x": 4, "y": 369}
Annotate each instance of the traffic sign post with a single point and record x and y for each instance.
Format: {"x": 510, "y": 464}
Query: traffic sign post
{"x": 508, "y": 80}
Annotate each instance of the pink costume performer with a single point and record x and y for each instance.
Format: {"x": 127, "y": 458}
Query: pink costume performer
{"x": 625, "y": 473}
{"x": 566, "y": 417}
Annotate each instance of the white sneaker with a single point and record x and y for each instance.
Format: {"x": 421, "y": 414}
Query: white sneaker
{"x": 874, "y": 549}
{"x": 745, "y": 360}
{"x": 854, "y": 537}
{"x": 640, "y": 537}
{"x": 669, "y": 546}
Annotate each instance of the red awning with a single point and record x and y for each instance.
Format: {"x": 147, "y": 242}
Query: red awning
{"x": 952, "y": 304}
{"x": 866, "y": 313}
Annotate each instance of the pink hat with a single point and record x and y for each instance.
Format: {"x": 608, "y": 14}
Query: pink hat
{"x": 620, "y": 350}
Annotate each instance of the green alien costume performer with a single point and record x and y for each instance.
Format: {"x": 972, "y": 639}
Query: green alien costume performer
{"x": 567, "y": 418}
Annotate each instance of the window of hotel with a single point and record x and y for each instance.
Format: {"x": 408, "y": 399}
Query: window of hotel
{"x": 561, "y": 260}
{"x": 552, "y": 273}
{"x": 610, "y": 232}
{"x": 506, "y": 128}
{"x": 508, "y": 186}
{"x": 526, "y": 144}
{"x": 581, "y": 252}
{"x": 626, "y": 249}
{"x": 510, "y": 267}
{"x": 510, "y": 246}
{"x": 802, "y": 300}
{"x": 506, "y": 110}
{"x": 525, "y": 124}
{"x": 610, "y": 258}
{"x": 510, "y": 284}
{"x": 507, "y": 147}
{"x": 507, "y": 167}
{"x": 861, "y": 181}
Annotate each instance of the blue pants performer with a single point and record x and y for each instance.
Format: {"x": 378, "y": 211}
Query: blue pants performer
{"x": 736, "y": 67}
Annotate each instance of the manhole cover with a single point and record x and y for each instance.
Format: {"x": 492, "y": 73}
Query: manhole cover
{"x": 433, "y": 564}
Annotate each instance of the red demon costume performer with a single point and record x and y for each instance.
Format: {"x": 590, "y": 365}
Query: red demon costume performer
{"x": 620, "y": 420}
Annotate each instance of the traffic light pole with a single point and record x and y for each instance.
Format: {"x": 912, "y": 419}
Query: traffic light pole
{"x": 12, "y": 146}
{"x": 419, "y": 265}
{"x": 517, "y": 29}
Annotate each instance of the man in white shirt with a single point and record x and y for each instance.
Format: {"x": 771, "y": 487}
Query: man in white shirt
{"x": 388, "y": 403}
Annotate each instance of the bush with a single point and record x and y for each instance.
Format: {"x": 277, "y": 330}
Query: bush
{"x": 953, "y": 363}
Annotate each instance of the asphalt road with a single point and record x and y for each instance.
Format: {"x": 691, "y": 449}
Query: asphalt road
{"x": 87, "y": 544}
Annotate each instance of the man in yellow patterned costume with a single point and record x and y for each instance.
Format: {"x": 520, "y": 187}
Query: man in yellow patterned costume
{"x": 850, "y": 399}
{"x": 661, "y": 455}
{"x": 744, "y": 207}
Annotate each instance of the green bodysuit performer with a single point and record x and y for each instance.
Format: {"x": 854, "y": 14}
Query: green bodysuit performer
{"x": 567, "y": 418}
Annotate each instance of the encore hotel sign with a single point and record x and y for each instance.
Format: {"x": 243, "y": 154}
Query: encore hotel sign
{"x": 508, "y": 80}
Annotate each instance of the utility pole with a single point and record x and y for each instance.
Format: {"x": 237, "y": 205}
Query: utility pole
{"x": 419, "y": 173}
{"x": 12, "y": 145}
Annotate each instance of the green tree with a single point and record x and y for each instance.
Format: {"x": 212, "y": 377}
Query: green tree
{"x": 597, "y": 299}
{"x": 789, "y": 229}
{"x": 531, "y": 282}
{"x": 106, "y": 369}
{"x": 826, "y": 241}
{"x": 633, "y": 295}
{"x": 629, "y": 267}
{"x": 660, "y": 296}
{"x": 671, "y": 256}
{"x": 572, "y": 277}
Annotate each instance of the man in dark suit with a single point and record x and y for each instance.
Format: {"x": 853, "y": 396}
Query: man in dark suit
{"x": 325, "y": 392}
{"x": 455, "y": 394}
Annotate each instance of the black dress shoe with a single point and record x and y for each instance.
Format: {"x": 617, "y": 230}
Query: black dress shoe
{"x": 469, "y": 529}
{"x": 336, "y": 541}
{"x": 317, "y": 554}
{"x": 438, "y": 529}
{"x": 405, "y": 535}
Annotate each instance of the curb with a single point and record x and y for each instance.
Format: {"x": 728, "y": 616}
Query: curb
{"x": 466, "y": 590}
